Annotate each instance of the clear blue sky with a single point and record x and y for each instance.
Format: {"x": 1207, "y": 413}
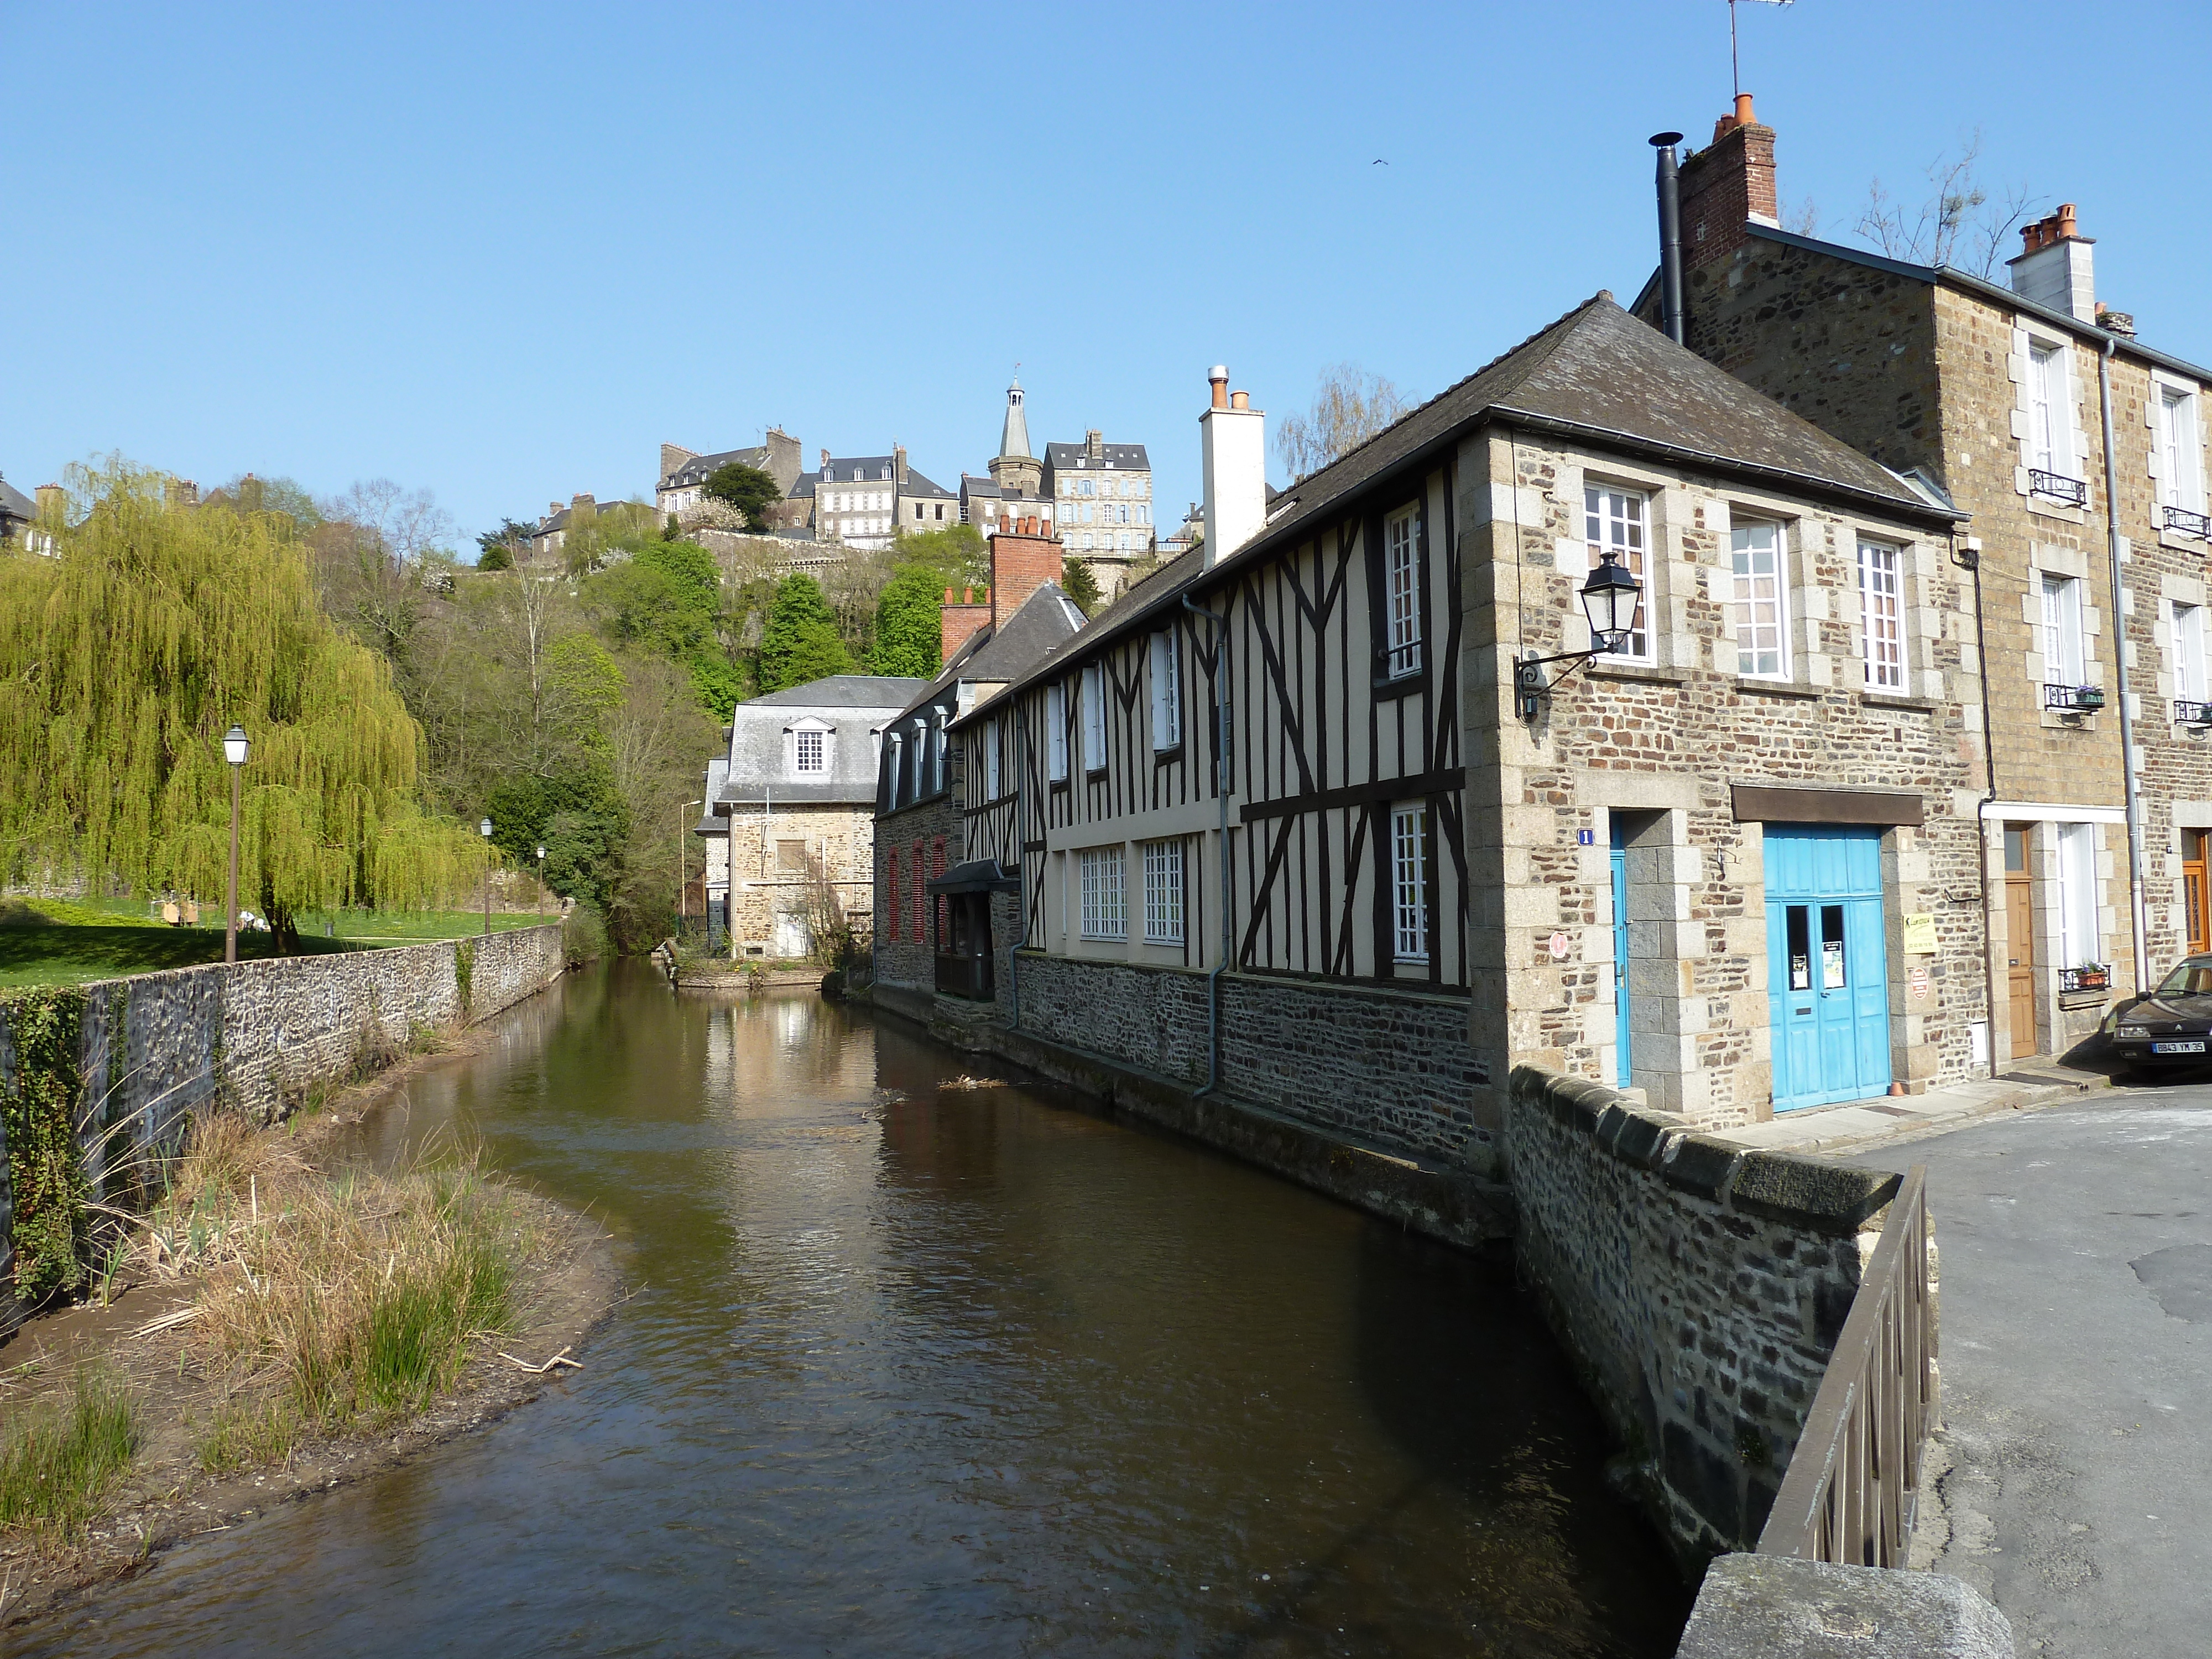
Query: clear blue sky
{"x": 505, "y": 251}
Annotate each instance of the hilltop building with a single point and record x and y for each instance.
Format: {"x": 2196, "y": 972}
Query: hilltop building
{"x": 1101, "y": 495}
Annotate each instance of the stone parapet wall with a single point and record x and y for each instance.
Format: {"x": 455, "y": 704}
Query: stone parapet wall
{"x": 1390, "y": 1066}
{"x": 1699, "y": 1288}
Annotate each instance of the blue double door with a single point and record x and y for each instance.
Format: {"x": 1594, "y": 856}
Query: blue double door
{"x": 1828, "y": 964}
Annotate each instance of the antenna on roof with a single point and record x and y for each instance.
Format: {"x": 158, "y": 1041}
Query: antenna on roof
{"x": 1735, "y": 73}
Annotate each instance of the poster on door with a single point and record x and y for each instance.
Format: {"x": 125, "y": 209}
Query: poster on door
{"x": 1832, "y": 964}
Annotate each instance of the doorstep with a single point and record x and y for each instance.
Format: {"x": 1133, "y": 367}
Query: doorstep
{"x": 1856, "y": 1123}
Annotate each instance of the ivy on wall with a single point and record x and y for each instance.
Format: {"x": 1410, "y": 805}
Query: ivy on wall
{"x": 38, "y": 1109}
{"x": 464, "y": 964}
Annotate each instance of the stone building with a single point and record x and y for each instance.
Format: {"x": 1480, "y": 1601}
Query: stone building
{"x": 935, "y": 924}
{"x": 789, "y": 811}
{"x": 1728, "y": 863}
{"x": 1992, "y": 395}
{"x": 1015, "y": 487}
{"x": 682, "y": 477}
{"x": 861, "y": 500}
{"x": 1102, "y": 494}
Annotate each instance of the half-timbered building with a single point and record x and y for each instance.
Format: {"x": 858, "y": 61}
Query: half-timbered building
{"x": 1286, "y": 825}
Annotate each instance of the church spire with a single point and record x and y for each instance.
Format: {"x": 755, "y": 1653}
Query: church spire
{"x": 1015, "y": 469}
{"x": 1014, "y": 439}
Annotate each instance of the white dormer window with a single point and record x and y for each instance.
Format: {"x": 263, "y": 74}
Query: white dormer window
{"x": 944, "y": 753}
{"x": 892, "y": 772}
{"x": 1056, "y": 732}
{"x": 1167, "y": 693}
{"x": 813, "y": 751}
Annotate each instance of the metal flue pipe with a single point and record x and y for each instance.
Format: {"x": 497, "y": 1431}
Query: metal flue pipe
{"x": 1670, "y": 236}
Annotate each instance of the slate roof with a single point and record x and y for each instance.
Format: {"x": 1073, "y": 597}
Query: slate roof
{"x": 917, "y": 485}
{"x": 1125, "y": 457}
{"x": 1596, "y": 375}
{"x": 14, "y": 504}
{"x": 842, "y": 692}
{"x": 1047, "y": 619}
{"x": 699, "y": 468}
{"x": 873, "y": 469}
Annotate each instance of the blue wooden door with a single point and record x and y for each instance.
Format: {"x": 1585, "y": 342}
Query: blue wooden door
{"x": 1828, "y": 961}
{"x": 1623, "y": 1069}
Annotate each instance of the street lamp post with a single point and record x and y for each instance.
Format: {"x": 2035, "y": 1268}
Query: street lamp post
{"x": 235, "y": 749}
{"x": 541, "y": 881}
{"x": 1612, "y": 600}
{"x": 484, "y": 830}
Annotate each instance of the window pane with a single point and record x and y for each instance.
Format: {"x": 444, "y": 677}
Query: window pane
{"x": 1882, "y": 615}
{"x": 1163, "y": 893}
{"x": 1757, "y": 610}
{"x": 1401, "y": 555}
{"x": 1409, "y": 881}
{"x": 1613, "y": 521}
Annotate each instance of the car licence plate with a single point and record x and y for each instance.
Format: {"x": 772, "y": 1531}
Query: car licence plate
{"x": 2176, "y": 1048}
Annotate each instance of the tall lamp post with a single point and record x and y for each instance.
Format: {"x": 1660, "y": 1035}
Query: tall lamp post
{"x": 484, "y": 830}
{"x": 234, "y": 748}
{"x": 541, "y": 879}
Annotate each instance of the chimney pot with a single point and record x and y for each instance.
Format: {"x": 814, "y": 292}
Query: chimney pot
{"x": 1219, "y": 379}
{"x": 1240, "y": 400}
{"x": 1744, "y": 118}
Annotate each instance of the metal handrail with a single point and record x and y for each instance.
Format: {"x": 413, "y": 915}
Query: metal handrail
{"x": 2189, "y": 711}
{"x": 2073, "y": 699}
{"x": 2057, "y": 487}
{"x": 1854, "y": 1482}
{"x": 2189, "y": 524}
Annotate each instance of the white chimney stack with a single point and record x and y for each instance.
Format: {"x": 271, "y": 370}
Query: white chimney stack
{"x": 1234, "y": 437}
{"x": 2056, "y": 268}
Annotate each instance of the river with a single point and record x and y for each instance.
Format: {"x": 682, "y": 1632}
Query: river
{"x": 925, "y": 1368}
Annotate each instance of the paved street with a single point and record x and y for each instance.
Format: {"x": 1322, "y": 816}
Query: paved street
{"x": 2076, "y": 1262}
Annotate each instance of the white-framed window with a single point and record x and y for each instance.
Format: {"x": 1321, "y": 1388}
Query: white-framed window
{"x": 1758, "y": 609}
{"x": 1619, "y": 521}
{"x": 941, "y": 752}
{"x": 1103, "y": 916}
{"x": 1056, "y": 732}
{"x": 2062, "y": 655}
{"x": 2181, "y": 451}
{"x": 2049, "y": 422}
{"x": 1094, "y": 717}
{"x": 1881, "y": 615}
{"x": 1401, "y": 586}
{"x": 812, "y": 751}
{"x": 2077, "y": 894}
{"x": 2188, "y": 653}
{"x": 895, "y": 772}
{"x": 1163, "y": 893}
{"x": 1167, "y": 692}
{"x": 1409, "y": 880}
{"x": 991, "y": 778}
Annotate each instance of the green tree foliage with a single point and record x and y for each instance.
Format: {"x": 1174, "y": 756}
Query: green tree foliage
{"x": 495, "y": 558}
{"x": 1080, "y": 583}
{"x": 498, "y": 550}
{"x": 578, "y": 817}
{"x": 799, "y": 641}
{"x": 909, "y": 631}
{"x": 123, "y": 661}
{"x": 957, "y": 553}
{"x": 666, "y": 597}
{"x": 747, "y": 488}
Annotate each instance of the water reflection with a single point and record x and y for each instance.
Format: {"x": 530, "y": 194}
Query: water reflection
{"x": 924, "y": 1371}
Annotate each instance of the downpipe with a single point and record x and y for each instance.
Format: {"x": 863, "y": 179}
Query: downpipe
{"x": 1221, "y": 773}
{"x": 2120, "y": 654}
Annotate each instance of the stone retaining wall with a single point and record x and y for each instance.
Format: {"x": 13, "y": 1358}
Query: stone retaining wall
{"x": 1699, "y": 1287}
{"x": 256, "y": 1036}
{"x": 1390, "y": 1066}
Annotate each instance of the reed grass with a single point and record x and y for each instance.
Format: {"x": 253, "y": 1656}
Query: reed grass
{"x": 332, "y": 1301}
{"x": 58, "y": 1457}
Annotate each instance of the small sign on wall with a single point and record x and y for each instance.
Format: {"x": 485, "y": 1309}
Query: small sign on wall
{"x": 1920, "y": 933}
{"x": 1918, "y": 986}
{"x": 1585, "y": 837}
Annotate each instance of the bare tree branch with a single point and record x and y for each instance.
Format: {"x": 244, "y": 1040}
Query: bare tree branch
{"x": 1956, "y": 225}
{"x": 1349, "y": 406}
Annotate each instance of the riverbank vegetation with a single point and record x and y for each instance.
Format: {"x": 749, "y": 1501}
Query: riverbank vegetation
{"x": 59, "y": 1457}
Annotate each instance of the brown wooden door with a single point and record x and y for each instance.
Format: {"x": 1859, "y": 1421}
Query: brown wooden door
{"x": 2019, "y": 939}
{"x": 2196, "y": 893}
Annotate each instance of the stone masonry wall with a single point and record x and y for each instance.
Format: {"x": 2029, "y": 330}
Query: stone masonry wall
{"x": 256, "y": 1037}
{"x": 1387, "y": 1067}
{"x": 1699, "y": 1288}
{"x": 905, "y": 958}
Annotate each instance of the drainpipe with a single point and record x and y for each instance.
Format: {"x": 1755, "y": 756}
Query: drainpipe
{"x": 1022, "y": 898}
{"x": 1969, "y": 557}
{"x": 1221, "y": 882}
{"x": 2120, "y": 653}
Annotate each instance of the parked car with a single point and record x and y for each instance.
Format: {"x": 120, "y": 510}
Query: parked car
{"x": 2172, "y": 1026}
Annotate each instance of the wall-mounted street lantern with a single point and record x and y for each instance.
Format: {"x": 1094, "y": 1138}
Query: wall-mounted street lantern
{"x": 484, "y": 830}
{"x": 235, "y": 748}
{"x": 1611, "y": 600}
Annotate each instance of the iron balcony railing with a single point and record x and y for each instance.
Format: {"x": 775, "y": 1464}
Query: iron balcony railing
{"x": 1854, "y": 1482}
{"x": 2057, "y": 487}
{"x": 2189, "y": 712}
{"x": 2073, "y": 699}
{"x": 2092, "y": 976}
{"x": 2189, "y": 524}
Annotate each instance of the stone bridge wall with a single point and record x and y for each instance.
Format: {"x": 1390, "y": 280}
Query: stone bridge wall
{"x": 1698, "y": 1286}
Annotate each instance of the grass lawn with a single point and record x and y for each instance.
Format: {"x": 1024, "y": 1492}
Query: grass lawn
{"x": 62, "y": 942}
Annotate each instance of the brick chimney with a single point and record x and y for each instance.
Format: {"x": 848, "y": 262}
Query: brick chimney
{"x": 959, "y": 618}
{"x": 898, "y": 465}
{"x": 674, "y": 456}
{"x": 784, "y": 465}
{"x": 1024, "y": 557}
{"x": 1094, "y": 445}
{"x": 1727, "y": 184}
{"x": 52, "y": 500}
{"x": 2054, "y": 268}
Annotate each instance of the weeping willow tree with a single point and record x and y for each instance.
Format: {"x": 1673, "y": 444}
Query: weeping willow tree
{"x": 123, "y": 660}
